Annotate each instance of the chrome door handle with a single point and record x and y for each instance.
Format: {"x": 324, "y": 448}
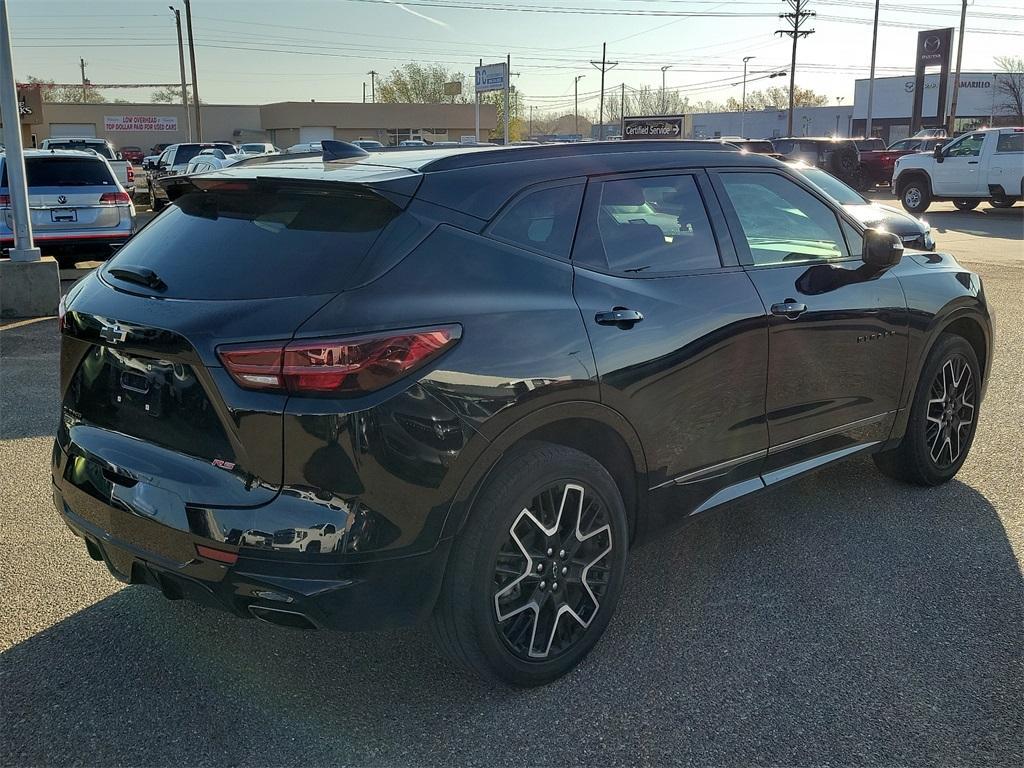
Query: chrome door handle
{"x": 789, "y": 308}
{"x": 620, "y": 316}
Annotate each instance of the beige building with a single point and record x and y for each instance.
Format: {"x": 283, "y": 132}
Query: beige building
{"x": 283, "y": 123}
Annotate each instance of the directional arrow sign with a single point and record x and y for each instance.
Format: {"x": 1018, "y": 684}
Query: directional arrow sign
{"x": 656, "y": 127}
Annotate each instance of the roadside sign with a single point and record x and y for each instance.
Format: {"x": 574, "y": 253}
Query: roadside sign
{"x": 453, "y": 88}
{"x": 140, "y": 123}
{"x": 653, "y": 127}
{"x": 491, "y": 77}
{"x": 467, "y": 139}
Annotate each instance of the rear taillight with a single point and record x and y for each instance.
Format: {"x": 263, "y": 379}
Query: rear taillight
{"x": 115, "y": 198}
{"x": 131, "y": 173}
{"x": 336, "y": 367}
{"x": 5, "y": 200}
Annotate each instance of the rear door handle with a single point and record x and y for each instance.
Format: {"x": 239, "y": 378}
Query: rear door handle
{"x": 620, "y": 316}
{"x": 972, "y": 162}
{"x": 790, "y": 308}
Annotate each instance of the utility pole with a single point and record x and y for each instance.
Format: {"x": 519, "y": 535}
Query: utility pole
{"x": 576, "y": 101}
{"x": 531, "y": 122}
{"x": 743, "y": 103}
{"x": 951, "y": 129}
{"x": 23, "y": 249}
{"x": 181, "y": 70}
{"x": 373, "y": 85}
{"x": 795, "y": 19}
{"x": 664, "y": 106}
{"x": 81, "y": 64}
{"x": 508, "y": 84}
{"x": 364, "y": 91}
{"x": 604, "y": 65}
{"x": 192, "y": 61}
{"x": 871, "y": 76}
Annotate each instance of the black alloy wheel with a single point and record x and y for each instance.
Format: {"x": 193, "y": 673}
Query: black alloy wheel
{"x": 951, "y": 408}
{"x": 533, "y": 578}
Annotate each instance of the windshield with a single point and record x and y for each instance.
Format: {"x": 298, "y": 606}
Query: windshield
{"x": 832, "y": 186}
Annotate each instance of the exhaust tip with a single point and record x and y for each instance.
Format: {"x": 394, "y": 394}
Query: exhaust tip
{"x": 292, "y": 619}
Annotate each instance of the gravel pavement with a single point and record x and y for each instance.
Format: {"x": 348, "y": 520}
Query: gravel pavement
{"x": 844, "y": 619}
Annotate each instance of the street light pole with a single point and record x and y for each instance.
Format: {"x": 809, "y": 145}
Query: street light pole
{"x": 576, "y": 101}
{"x": 871, "y": 76}
{"x": 956, "y": 81}
{"x": 14, "y": 165}
{"x": 181, "y": 70}
{"x": 664, "y": 106}
{"x": 743, "y": 105}
{"x": 192, "y": 61}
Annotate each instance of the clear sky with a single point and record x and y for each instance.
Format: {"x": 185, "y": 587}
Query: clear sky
{"x": 255, "y": 51}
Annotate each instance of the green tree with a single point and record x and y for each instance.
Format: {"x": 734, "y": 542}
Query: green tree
{"x": 168, "y": 95}
{"x": 417, "y": 84}
{"x": 66, "y": 94}
{"x": 1010, "y": 86}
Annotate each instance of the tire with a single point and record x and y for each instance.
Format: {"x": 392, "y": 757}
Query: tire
{"x": 155, "y": 203}
{"x": 915, "y": 195}
{"x": 483, "y": 620}
{"x": 1002, "y": 203}
{"x": 966, "y": 205}
{"x": 921, "y": 456}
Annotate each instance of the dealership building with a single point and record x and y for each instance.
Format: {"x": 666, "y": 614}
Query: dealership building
{"x": 282, "y": 123}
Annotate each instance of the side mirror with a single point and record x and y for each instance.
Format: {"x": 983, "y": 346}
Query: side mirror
{"x": 937, "y": 153}
{"x": 881, "y": 249}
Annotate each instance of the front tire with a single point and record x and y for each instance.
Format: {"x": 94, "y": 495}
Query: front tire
{"x": 965, "y": 205}
{"x": 916, "y": 196}
{"x": 943, "y": 417}
{"x": 534, "y": 576}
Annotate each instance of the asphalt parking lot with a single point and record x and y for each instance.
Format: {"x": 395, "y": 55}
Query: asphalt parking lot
{"x": 844, "y": 619}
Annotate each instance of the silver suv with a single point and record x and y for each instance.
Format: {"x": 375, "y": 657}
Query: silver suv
{"x": 75, "y": 202}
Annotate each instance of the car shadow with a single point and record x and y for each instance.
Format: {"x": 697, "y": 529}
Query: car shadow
{"x": 844, "y": 619}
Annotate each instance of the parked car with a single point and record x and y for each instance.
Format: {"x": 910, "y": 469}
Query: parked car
{"x": 368, "y": 144}
{"x": 914, "y": 232}
{"x": 212, "y": 160}
{"x": 76, "y": 203}
{"x": 122, "y": 168}
{"x": 872, "y": 144}
{"x": 258, "y": 148}
{"x": 985, "y": 165}
{"x": 758, "y": 146}
{"x": 505, "y": 386}
{"x": 837, "y": 156}
{"x": 306, "y": 146}
{"x": 133, "y": 155}
{"x": 158, "y": 148}
{"x": 173, "y": 161}
{"x": 876, "y": 166}
{"x": 412, "y": 143}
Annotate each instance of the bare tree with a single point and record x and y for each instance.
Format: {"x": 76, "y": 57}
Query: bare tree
{"x": 1010, "y": 86}
{"x": 61, "y": 94}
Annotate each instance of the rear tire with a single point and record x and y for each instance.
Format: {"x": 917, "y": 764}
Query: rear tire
{"x": 943, "y": 417}
{"x": 915, "y": 195}
{"x": 1002, "y": 203}
{"x": 155, "y": 203}
{"x": 966, "y": 205}
{"x": 525, "y": 598}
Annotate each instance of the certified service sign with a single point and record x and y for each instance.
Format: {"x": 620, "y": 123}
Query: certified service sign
{"x": 659, "y": 127}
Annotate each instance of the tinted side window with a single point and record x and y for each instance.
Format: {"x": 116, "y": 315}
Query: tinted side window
{"x": 781, "y": 221}
{"x": 657, "y": 224}
{"x": 1010, "y": 142}
{"x": 783, "y": 146}
{"x": 854, "y": 240}
{"x": 544, "y": 220}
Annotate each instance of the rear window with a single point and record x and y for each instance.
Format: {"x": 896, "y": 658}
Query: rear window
{"x": 98, "y": 147}
{"x": 1010, "y": 142}
{"x": 59, "y": 171}
{"x": 761, "y": 147}
{"x": 249, "y": 245}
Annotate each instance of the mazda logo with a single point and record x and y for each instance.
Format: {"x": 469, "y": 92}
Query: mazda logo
{"x": 932, "y": 44}
{"x": 62, "y": 199}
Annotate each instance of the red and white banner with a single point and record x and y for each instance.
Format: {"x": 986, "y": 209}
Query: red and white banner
{"x": 140, "y": 123}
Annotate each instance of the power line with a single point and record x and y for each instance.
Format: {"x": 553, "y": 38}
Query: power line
{"x": 796, "y": 18}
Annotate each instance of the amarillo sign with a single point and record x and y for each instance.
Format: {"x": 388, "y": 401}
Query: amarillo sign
{"x": 658, "y": 127}
{"x": 140, "y": 123}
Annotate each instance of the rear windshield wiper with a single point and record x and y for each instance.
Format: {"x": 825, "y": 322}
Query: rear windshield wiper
{"x": 139, "y": 276}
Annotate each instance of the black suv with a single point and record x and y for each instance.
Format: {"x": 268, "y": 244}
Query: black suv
{"x": 457, "y": 385}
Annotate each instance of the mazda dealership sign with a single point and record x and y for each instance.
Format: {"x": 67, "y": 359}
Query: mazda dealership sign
{"x": 655, "y": 127}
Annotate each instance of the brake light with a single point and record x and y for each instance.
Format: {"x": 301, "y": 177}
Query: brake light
{"x": 5, "y": 200}
{"x": 131, "y": 173}
{"x": 115, "y": 198}
{"x": 220, "y": 555}
{"x": 336, "y": 367}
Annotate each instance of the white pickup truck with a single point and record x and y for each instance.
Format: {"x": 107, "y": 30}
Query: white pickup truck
{"x": 122, "y": 169}
{"x": 981, "y": 165}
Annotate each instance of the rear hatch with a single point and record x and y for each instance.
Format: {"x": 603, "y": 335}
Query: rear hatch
{"x": 146, "y": 398}
{"x": 71, "y": 192}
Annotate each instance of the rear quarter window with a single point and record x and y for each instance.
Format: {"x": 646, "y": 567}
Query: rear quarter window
{"x": 1010, "y": 142}
{"x": 543, "y": 220}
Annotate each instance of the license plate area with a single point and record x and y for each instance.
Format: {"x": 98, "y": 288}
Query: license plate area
{"x": 63, "y": 215}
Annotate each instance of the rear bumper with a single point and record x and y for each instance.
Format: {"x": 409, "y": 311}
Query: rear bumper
{"x": 109, "y": 237}
{"x": 327, "y": 591}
